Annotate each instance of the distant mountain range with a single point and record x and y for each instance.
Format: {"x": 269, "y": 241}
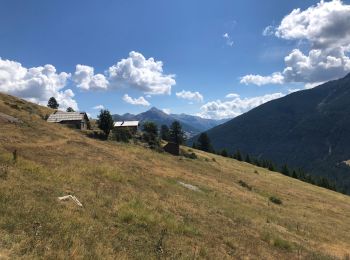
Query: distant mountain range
{"x": 192, "y": 125}
{"x": 308, "y": 129}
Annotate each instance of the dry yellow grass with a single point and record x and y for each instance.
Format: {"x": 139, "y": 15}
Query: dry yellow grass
{"x": 134, "y": 206}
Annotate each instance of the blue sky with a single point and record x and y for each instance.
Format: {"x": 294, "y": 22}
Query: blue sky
{"x": 204, "y": 46}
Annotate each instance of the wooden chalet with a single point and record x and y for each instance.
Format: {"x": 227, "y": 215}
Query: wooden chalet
{"x": 132, "y": 126}
{"x": 77, "y": 120}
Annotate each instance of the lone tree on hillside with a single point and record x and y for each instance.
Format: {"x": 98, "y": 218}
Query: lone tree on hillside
{"x": 237, "y": 156}
{"x": 204, "y": 142}
{"x": 224, "y": 153}
{"x": 52, "y": 103}
{"x": 164, "y": 132}
{"x": 150, "y": 134}
{"x": 105, "y": 121}
{"x": 69, "y": 109}
{"x": 176, "y": 134}
{"x": 285, "y": 170}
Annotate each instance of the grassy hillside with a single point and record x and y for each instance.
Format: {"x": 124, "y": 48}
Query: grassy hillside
{"x": 138, "y": 203}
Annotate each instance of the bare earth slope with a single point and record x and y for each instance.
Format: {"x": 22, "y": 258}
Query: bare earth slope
{"x": 135, "y": 203}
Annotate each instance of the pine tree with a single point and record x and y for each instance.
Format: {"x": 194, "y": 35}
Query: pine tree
{"x": 52, "y": 103}
{"x": 301, "y": 175}
{"x": 204, "y": 142}
{"x": 224, "y": 153}
{"x": 323, "y": 182}
{"x": 69, "y": 109}
{"x": 238, "y": 155}
{"x": 294, "y": 175}
{"x": 150, "y": 134}
{"x": 176, "y": 134}
{"x": 247, "y": 159}
{"x": 164, "y": 132}
{"x": 105, "y": 122}
{"x": 285, "y": 170}
{"x": 257, "y": 162}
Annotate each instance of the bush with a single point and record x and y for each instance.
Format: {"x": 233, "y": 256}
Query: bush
{"x": 4, "y": 172}
{"x": 282, "y": 244}
{"x": 97, "y": 134}
{"x": 275, "y": 200}
{"x": 245, "y": 185}
{"x": 45, "y": 117}
{"x": 121, "y": 134}
{"x": 190, "y": 155}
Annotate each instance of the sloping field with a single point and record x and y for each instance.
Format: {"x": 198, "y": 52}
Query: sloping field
{"x": 139, "y": 203}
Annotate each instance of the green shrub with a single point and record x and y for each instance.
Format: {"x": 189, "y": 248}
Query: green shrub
{"x": 121, "y": 134}
{"x": 275, "y": 200}
{"x": 4, "y": 172}
{"x": 190, "y": 155}
{"x": 96, "y": 134}
{"x": 245, "y": 185}
{"x": 282, "y": 244}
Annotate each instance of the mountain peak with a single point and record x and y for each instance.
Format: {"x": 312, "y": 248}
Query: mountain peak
{"x": 154, "y": 109}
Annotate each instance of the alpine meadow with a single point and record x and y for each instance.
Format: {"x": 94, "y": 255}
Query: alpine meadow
{"x": 175, "y": 129}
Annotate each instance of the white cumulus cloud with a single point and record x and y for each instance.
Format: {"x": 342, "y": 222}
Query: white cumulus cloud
{"x": 166, "y": 111}
{"x": 325, "y": 27}
{"x": 143, "y": 74}
{"x": 192, "y": 96}
{"x": 141, "y": 101}
{"x": 275, "y": 78}
{"x": 234, "y": 107}
{"x": 36, "y": 84}
{"x": 135, "y": 71}
{"x": 98, "y": 107}
{"x": 269, "y": 30}
{"x": 232, "y": 95}
{"x": 86, "y": 79}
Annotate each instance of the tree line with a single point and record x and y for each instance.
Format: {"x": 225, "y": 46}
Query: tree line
{"x": 203, "y": 143}
{"x": 151, "y": 134}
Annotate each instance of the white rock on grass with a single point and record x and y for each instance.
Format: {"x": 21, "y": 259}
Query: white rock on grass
{"x": 188, "y": 186}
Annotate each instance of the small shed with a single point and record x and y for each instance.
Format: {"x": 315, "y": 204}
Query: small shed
{"x": 77, "y": 120}
{"x": 132, "y": 126}
{"x": 172, "y": 148}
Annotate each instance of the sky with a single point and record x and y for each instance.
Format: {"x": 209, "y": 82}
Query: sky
{"x": 215, "y": 59}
